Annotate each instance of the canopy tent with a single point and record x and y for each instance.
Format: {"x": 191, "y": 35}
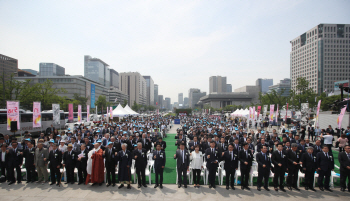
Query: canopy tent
{"x": 119, "y": 111}
{"x": 131, "y": 112}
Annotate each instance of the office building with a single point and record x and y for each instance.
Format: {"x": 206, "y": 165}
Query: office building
{"x": 160, "y": 101}
{"x": 283, "y": 85}
{"x": 150, "y": 90}
{"x": 114, "y": 78}
{"x": 117, "y": 96}
{"x": 186, "y": 102}
{"x": 156, "y": 94}
{"x": 168, "y": 103}
{"x": 321, "y": 56}
{"x": 33, "y": 72}
{"x": 51, "y": 69}
{"x": 264, "y": 84}
{"x": 194, "y": 96}
{"x": 134, "y": 85}
{"x": 229, "y": 88}
{"x": 180, "y": 98}
{"x": 9, "y": 67}
{"x": 217, "y": 84}
{"x": 97, "y": 70}
{"x": 220, "y": 100}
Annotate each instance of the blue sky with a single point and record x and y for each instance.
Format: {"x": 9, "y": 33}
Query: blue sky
{"x": 179, "y": 43}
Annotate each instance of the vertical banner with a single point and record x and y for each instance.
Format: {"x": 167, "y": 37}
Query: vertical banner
{"x": 79, "y": 113}
{"x": 107, "y": 112}
{"x": 157, "y": 111}
{"x": 92, "y": 96}
{"x": 111, "y": 112}
{"x": 318, "y": 112}
{"x": 36, "y": 114}
{"x": 285, "y": 118}
{"x": 272, "y": 109}
{"x": 12, "y": 113}
{"x": 70, "y": 113}
{"x": 250, "y": 113}
{"x": 56, "y": 114}
{"x": 304, "y": 114}
{"x": 259, "y": 110}
{"x": 254, "y": 113}
{"x": 341, "y": 115}
{"x": 265, "y": 111}
{"x": 277, "y": 115}
{"x": 88, "y": 113}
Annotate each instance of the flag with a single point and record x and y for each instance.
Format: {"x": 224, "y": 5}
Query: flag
{"x": 259, "y": 110}
{"x": 36, "y": 114}
{"x": 111, "y": 112}
{"x": 277, "y": 114}
{"x": 340, "y": 117}
{"x": 12, "y": 113}
{"x": 272, "y": 109}
{"x": 88, "y": 113}
{"x": 318, "y": 111}
{"x": 79, "y": 113}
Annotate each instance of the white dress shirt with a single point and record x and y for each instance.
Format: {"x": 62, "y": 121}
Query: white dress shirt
{"x": 197, "y": 160}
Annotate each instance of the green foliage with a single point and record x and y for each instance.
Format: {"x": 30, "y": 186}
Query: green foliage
{"x": 101, "y": 103}
{"x": 125, "y": 103}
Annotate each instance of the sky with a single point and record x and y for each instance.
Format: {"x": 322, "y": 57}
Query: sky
{"x": 180, "y": 44}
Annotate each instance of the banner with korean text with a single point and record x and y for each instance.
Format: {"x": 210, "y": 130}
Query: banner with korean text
{"x": 272, "y": 109}
{"x": 87, "y": 113}
{"x": 79, "y": 113}
{"x": 111, "y": 112}
{"x": 341, "y": 115}
{"x": 56, "y": 114}
{"x": 36, "y": 114}
{"x": 318, "y": 112}
{"x": 12, "y": 113}
{"x": 70, "y": 113}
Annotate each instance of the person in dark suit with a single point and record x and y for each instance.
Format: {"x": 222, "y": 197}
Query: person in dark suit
{"x": 55, "y": 158}
{"x": 344, "y": 160}
{"x": 231, "y": 165}
{"x": 4, "y": 158}
{"x": 88, "y": 144}
{"x": 146, "y": 143}
{"x": 317, "y": 147}
{"x": 159, "y": 164}
{"x": 179, "y": 141}
{"x": 110, "y": 162}
{"x": 262, "y": 143}
{"x": 182, "y": 165}
{"x": 222, "y": 146}
{"x": 82, "y": 164}
{"x": 325, "y": 166}
{"x": 308, "y": 160}
{"x": 246, "y": 159}
{"x": 161, "y": 142}
{"x": 293, "y": 163}
{"x": 124, "y": 173}
{"x": 280, "y": 164}
{"x": 140, "y": 157}
{"x": 193, "y": 143}
{"x": 204, "y": 145}
{"x": 15, "y": 162}
{"x": 212, "y": 157}
{"x": 243, "y": 139}
{"x": 28, "y": 154}
{"x": 69, "y": 162}
{"x": 264, "y": 165}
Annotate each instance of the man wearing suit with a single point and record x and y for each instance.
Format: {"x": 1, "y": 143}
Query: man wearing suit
{"x": 243, "y": 139}
{"x": 15, "y": 162}
{"x": 264, "y": 165}
{"x": 179, "y": 141}
{"x": 193, "y": 143}
{"x": 110, "y": 162}
{"x": 293, "y": 158}
{"x": 262, "y": 143}
{"x": 308, "y": 160}
{"x": 159, "y": 164}
{"x": 82, "y": 163}
{"x": 146, "y": 144}
{"x": 317, "y": 147}
{"x": 280, "y": 164}
{"x": 140, "y": 157}
{"x": 28, "y": 154}
{"x": 183, "y": 162}
{"x": 231, "y": 165}
{"x": 75, "y": 145}
{"x": 222, "y": 146}
{"x": 212, "y": 158}
{"x": 161, "y": 142}
{"x": 246, "y": 159}
{"x": 325, "y": 166}
{"x": 55, "y": 159}
{"x": 204, "y": 145}
{"x": 344, "y": 160}
{"x": 69, "y": 162}
{"x": 88, "y": 145}
{"x": 4, "y": 158}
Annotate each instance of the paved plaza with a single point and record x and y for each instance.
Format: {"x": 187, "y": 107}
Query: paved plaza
{"x": 38, "y": 192}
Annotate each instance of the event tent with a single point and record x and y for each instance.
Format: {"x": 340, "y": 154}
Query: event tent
{"x": 119, "y": 111}
{"x": 131, "y": 112}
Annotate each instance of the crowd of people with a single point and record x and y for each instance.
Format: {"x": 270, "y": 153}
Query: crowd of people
{"x": 204, "y": 144}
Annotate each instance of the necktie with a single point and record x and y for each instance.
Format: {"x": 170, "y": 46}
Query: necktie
{"x": 212, "y": 151}
{"x": 327, "y": 155}
{"x": 349, "y": 156}
{"x": 310, "y": 156}
{"x": 264, "y": 156}
{"x": 231, "y": 155}
{"x": 246, "y": 153}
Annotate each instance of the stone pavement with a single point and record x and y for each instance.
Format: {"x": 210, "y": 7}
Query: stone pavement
{"x": 37, "y": 192}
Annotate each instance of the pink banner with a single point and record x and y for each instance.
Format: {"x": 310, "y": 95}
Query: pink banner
{"x": 272, "y": 109}
{"x": 318, "y": 112}
{"x": 88, "y": 113}
{"x": 341, "y": 115}
{"x": 250, "y": 113}
{"x": 259, "y": 110}
{"x": 12, "y": 113}
{"x": 277, "y": 114}
{"x": 70, "y": 112}
{"x": 36, "y": 114}
{"x": 79, "y": 113}
{"x": 111, "y": 112}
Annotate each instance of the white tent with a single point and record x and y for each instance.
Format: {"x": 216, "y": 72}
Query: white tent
{"x": 119, "y": 111}
{"x": 131, "y": 112}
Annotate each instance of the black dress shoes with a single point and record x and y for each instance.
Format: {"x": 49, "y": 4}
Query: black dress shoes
{"x": 52, "y": 184}
{"x": 227, "y": 188}
{"x": 145, "y": 185}
{"x": 296, "y": 188}
{"x": 282, "y": 189}
{"x": 139, "y": 186}
{"x": 242, "y": 187}
{"x": 108, "y": 185}
{"x": 155, "y": 186}
{"x": 267, "y": 189}
{"x": 328, "y": 189}
{"x": 259, "y": 189}
{"x": 185, "y": 185}
{"x": 179, "y": 185}
{"x": 247, "y": 188}
{"x": 161, "y": 186}
{"x": 321, "y": 188}
{"x": 313, "y": 189}
{"x": 233, "y": 188}
{"x": 129, "y": 187}
{"x": 121, "y": 186}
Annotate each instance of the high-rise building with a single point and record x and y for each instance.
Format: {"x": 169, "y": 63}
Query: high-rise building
{"x": 168, "y": 103}
{"x": 51, "y": 69}
{"x": 283, "y": 85}
{"x": 217, "y": 84}
{"x": 321, "y": 56}
{"x": 114, "y": 78}
{"x": 180, "y": 98}
{"x": 8, "y": 67}
{"x": 160, "y": 101}
{"x": 97, "y": 70}
{"x": 264, "y": 84}
{"x": 228, "y": 87}
{"x": 194, "y": 96}
{"x": 186, "y": 101}
{"x": 150, "y": 90}
{"x": 134, "y": 85}
{"x": 156, "y": 94}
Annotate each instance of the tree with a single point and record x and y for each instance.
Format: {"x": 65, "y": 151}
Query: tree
{"x": 136, "y": 107}
{"x": 125, "y": 103}
{"x": 101, "y": 102}
{"x": 47, "y": 94}
{"x": 81, "y": 100}
{"x": 273, "y": 98}
{"x": 303, "y": 94}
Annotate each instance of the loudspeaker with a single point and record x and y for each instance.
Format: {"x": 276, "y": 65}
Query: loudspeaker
{"x": 288, "y": 121}
{"x": 13, "y": 126}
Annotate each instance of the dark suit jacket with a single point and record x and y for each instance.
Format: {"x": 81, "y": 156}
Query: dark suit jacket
{"x": 146, "y": 145}
{"x": 110, "y": 157}
{"x": 160, "y": 159}
{"x": 55, "y": 158}
{"x": 83, "y": 162}
{"x": 6, "y": 163}
{"x": 326, "y": 164}
{"x": 344, "y": 161}
{"x": 243, "y": 158}
{"x": 162, "y": 144}
{"x": 277, "y": 158}
{"x": 302, "y": 148}
{"x": 309, "y": 163}
{"x": 260, "y": 159}
{"x": 317, "y": 149}
{"x": 213, "y": 157}
{"x": 229, "y": 161}
{"x": 70, "y": 160}
{"x": 191, "y": 144}
{"x": 141, "y": 160}
{"x": 179, "y": 158}
{"x": 293, "y": 157}
{"x": 15, "y": 158}
{"x": 29, "y": 156}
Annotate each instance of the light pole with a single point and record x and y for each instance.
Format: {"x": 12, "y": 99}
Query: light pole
{"x": 3, "y": 87}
